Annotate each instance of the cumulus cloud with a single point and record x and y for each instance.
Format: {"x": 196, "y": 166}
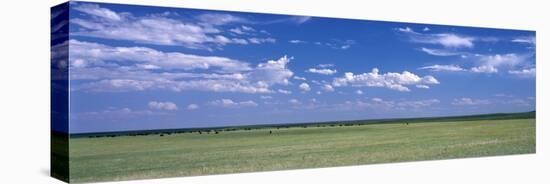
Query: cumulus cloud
{"x": 304, "y": 87}
{"x": 117, "y": 69}
{"x": 323, "y": 71}
{"x": 192, "y": 107}
{"x": 273, "y": 71}
{"x": 469, "y": 101}
{"x": 395, "y": 81}
{"x": 328, "y": 88}
{"x": 169, "y": 106}
{"x": 451, "y": 68}
{"x": 359, "y": 92}
{"x": 228, "y": 103}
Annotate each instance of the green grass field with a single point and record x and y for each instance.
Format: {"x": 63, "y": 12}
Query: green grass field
{"x": 188, "y": 154}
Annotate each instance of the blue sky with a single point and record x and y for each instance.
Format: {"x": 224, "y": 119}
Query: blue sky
{"x": 138, "y": 67}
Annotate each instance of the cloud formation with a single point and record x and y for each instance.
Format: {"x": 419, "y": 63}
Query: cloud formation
{"x": 192, "y": 107}
{"x": 323, "y": 71}
{"x": 452, "y": 68}
{"x": 469, "y": 101}
{"x": 118, "y": 69}
{"x": 448, "y": 40}
{"x": 159, "y": 29}
{"x": 168, "y": 106}
{"x": 394, "y": 81}
{"x": 526, "y": 73}
{"x": 304, "y": 87}
{"x": 228, "y": 103}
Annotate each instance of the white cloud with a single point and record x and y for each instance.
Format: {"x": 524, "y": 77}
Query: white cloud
{"x": 289, "y": 20}
{"x": 488, "y": 64}
{"x": 158, "y": 30}
{"x": 192, "y": 107}
{"x": 139, "y": 68}
{"x": 484, "y": 69}
{"x": 423, "y": 86}
{"x": 220, "y": 19}
{"x": 359, "y": 92}
{"x": 301, "y": 19}
{"x": 266, "y": 97}
{"x": 469, "y": 101}
{"x": 406, "y": 30}
{"x": 491, "y": 63}
{"x": 526, "y": 73}
{"x": 169, "y": 106}
{"x": 438, "y": 52}
{"x": 299, "y": 78}
{"x": 323, "y": 71}
{"x": 418, "y": 103}
{"x": 114, "y": 114}
{"x": 95, "y": 10}
{"x": 93, "y": 53}
{"x": 325, "y": 65}
{"x": 273, "y": 71}
{"x": 377, "y": 99}
{"x": 527, "y": 40}
{"x": 378, "y": 104}
{"x": 328, "y": 88}
{"x": 296, "y": 41}
{"x": 452, "y": 68}
{"x": 228, "y": 103}
{"x": 304, "y": 87}
{"x": 286, "y": 92}
{"x": 395, "y": 81}
{"x": 115, "y": 85}
{"x": 294, "y": 102}
{"x": 449, "y": 40}
{"x": 261, "y": 40}
{"x": 243, "y": 30}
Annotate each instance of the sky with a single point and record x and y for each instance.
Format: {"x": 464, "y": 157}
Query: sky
{"x": 141, "y": 67}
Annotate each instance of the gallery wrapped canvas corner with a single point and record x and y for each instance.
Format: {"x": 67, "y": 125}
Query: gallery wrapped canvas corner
{"x": 141, "y": 92}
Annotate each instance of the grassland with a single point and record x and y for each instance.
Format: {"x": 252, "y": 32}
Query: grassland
{"x": 247, "y": 150}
